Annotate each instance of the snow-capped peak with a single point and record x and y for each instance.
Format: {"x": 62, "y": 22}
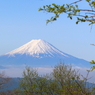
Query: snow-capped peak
{"x": 36, "y": 48}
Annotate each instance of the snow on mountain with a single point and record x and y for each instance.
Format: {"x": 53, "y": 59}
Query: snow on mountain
{"x": 37, "y": 54}
{"x": 36, "y": 48}
{"x": 40, "y": 53}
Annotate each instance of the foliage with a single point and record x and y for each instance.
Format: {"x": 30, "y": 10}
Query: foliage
{"x": 3, "y": 80}
{"x": 73, "y": 9}
{"x": 93, "y": 67}
{"x": 62, "y": 81}
{"x": 13, "y": 92}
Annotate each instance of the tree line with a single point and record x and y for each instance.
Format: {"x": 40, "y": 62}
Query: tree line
{"x": 63, "y": 80}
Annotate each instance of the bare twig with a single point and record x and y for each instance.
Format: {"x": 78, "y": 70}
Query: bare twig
{"x": 75, "y": 2}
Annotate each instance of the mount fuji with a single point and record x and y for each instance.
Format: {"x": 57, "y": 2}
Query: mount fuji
{"x": 40, "y": 53}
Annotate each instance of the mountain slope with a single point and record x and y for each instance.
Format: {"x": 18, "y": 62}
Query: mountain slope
{"x": 39, "y": 53}
{"x": 36, "y": 48}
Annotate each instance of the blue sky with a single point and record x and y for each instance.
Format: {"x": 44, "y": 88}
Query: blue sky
{"x": 20, "y": 22}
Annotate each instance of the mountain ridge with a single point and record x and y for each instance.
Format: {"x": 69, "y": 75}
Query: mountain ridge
{"x": 40, "y": 53}
{"x": 35, "y": 48}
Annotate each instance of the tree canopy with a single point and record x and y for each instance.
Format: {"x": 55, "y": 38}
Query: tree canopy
{"x": 63, "y": 80}
{"x": 73, "y": 9}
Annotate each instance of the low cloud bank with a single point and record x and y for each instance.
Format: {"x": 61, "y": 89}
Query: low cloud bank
{"x": 84, "y": 72}
{"x": 17, "y": 71}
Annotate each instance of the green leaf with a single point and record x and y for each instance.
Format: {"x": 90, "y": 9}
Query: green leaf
{"x": 76, "y": 6}
{"x": 86, "y": 16}
{"x": 88, "y": 0}
{"x": 93, "y": 3}
{"x": 77, "y": 22}
{"x": 92, "y": 62}
{"x": 40, "y": 9}
{"x": 70, "y": 17}
{"x": 78, "y": 10}
{"x": 73, "y": 78}
{"x": 93, "y": 68}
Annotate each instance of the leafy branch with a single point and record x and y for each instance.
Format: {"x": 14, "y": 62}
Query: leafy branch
{"x": 83, "y": 15}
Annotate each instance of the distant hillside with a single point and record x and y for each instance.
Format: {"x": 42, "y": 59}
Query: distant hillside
{"x": 12, "y": 84}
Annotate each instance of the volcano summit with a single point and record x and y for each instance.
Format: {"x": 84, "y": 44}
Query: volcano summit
{"x": 39, "y": 53}
{"x": 37, "y": 48}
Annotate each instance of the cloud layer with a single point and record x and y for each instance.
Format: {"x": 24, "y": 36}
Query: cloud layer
{"x": 17, "y": 71}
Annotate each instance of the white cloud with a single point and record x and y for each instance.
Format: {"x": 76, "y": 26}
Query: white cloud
{"x": 17, "y": 71}
{"x": 43, "y": 70}
{"x": 83, "y": 71}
